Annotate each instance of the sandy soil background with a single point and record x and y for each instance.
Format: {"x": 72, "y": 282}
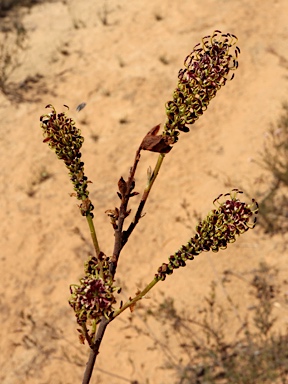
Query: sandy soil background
{"x": 122, "y": 58}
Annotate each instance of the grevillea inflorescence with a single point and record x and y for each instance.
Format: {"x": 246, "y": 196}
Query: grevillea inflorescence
{"x": 207, "y": 68}
{"x": 221, "y": 226}
{"x": 65, "y": 139}
{"x": 94, "y": 296}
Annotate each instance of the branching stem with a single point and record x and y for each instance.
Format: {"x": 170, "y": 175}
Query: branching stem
{"x": 121, "y": 238}
{"x": 142, "y": 203}
{"x": 123, "y": 214}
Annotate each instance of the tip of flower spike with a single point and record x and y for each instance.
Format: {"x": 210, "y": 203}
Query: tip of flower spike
{"x": 50, "y": 106}
{"x": 245, "y": 213}
{"x": 207, "y": 69}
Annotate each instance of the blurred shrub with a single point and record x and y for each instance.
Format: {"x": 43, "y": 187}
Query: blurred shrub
{"x": 273, "y": 200}
{"x": 207, "y": 351}
{"x": 7, "y": 5}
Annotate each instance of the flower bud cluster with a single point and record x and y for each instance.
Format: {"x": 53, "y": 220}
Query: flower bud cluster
{"x": 222, "y": 225}
{"x": 206, "y": 70}
{"x": 94, "y": 296}
{"x": 65, "y": 139}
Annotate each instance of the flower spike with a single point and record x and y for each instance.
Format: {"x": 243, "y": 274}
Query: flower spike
{"x": 222, "y": 226}
{"x": 65, "y": 139}
{"x": 207, "y": 69}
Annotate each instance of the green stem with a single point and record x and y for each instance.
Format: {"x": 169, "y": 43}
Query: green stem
{"x": 138, "y": 297}
{"x": 154, "y": 174}
{"x": 95, "y": 241}
{"x": 93, "y": 234}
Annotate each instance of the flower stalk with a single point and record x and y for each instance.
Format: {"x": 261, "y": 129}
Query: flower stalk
{"x": 63, "y": 137}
